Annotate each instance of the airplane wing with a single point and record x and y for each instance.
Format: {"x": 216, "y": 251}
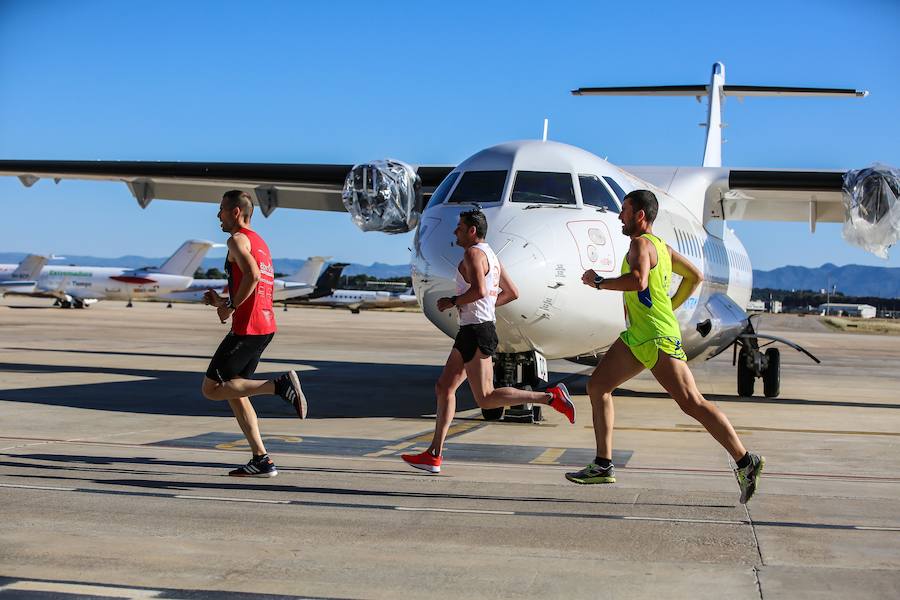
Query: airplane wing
{"x": 768, "y": 195}
{"x": 306, "y": 186}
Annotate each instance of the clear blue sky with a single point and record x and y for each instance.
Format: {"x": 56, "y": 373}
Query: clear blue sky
{"x": 425, "y": 82}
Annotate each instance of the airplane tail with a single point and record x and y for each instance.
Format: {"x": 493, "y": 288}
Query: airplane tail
{"x": 715, "y": 93}
{"x": 30, "y": 267}
{"x": 310, "y": 270}
{"x": 187, "y": 258}
{"x": 329, "y": 280}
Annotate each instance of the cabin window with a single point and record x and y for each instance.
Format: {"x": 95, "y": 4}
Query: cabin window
{"x": 483, "y": 187}
{"x": 539, "y": 187}
{"x": 440, "y": 194}
{"x": 594, "y": 193}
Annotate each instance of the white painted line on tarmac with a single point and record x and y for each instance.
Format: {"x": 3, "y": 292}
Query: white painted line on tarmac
{"x": 468, "y": 511}
{"x": 225, "y": 499}
{"x": 673, "y": 520}
{"x": 38, "y": 487}
{"x": 873, "y": 528}
{"x": 76, "y": 588}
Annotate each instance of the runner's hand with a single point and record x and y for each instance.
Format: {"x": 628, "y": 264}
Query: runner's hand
{"x": 211, "y": 298}
{"x": 224, "y": 312}
{"x": 444, "y": 304}
{"x": 588, "y": 278}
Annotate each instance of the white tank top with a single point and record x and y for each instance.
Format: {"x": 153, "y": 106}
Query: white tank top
{"x": 481, "y": 311}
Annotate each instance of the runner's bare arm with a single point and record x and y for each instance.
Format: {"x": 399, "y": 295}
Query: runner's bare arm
{"x": 690, "y": 278}
{"x": 473, "y": 268}
{"x": 239, "y": 247}
{"x": 508, "y": 289}
{"x": 635, "y": 280}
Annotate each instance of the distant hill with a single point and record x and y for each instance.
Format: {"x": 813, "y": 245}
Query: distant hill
{"x": 852, "y": 280}
{"x": 282, "y": 265}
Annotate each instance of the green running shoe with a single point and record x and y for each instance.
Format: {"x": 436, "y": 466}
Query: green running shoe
{"x": 593, "y": 473}
{"x": 748, "y": 477}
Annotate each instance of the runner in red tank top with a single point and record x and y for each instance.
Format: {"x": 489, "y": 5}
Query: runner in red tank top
{"x": 249, "y": 306}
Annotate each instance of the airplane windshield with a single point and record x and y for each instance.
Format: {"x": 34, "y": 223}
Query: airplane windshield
{"x": 482, "y": 187}
{"x": 537, "y": 187}
{"x": 594, "y": 193}
{"x": 440, "y": 194}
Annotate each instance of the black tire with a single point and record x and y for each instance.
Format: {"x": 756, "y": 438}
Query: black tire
{"x": 772, "y": 375}
{"x": 745, "y": 377}
{"x": 492, "y": 414}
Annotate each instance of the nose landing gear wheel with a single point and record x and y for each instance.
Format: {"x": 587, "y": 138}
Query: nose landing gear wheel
{"x": 772, "y": 375}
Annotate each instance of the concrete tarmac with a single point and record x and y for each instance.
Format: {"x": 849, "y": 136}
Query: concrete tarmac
{"x": 113, "y": 471}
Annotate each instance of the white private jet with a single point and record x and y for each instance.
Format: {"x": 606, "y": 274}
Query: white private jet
{"x": 79, "y": 287}
{"x": 301, "y": 283}
{"x": 356, "y": 300}
{"x": 552, "y": 212}
{"x": 22, "y": 278}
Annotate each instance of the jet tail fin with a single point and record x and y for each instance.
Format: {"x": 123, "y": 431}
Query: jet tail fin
{"x": 329, "y": 280}
{"x": 187, "y": 258}
{"x": 309, "y": 271}
{"x": 30, "y": 267}
{"x": 715, "y": 93}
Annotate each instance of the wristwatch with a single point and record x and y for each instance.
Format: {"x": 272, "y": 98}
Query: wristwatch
{"x": 598, "y": 279}
{"x": 453, "y": 300}
{"x": 230, "y": 304}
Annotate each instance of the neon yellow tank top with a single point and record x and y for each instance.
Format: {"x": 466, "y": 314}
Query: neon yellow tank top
{"x": 649, "y": 312}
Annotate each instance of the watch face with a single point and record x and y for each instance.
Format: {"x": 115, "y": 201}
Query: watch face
{"x": 598, "y": 279}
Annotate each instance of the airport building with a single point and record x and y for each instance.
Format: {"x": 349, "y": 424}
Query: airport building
{"x": 769, "y": 306}
{"x": 866, "y": 311}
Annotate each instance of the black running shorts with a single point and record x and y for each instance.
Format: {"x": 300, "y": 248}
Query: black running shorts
{"x": 480, "y": 336}
{"x": 237, "y": 356}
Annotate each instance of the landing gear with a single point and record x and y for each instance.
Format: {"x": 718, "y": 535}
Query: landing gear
{"x": 752, "y": 362}
{"x": 129, "y": 305}
{"x": 523, "y": 370}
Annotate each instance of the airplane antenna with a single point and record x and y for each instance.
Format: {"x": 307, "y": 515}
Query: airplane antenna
{"x": 546, "y": 125}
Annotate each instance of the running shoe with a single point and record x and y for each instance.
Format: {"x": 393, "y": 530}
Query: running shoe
{"x": 425, "y": 461}
{"x": 593, "y": 473}
{"x": 288, "y": 387}
{"x": 562, "y": 401}
{"x": 257, "y": 467}
{"x": 748, "y": 477}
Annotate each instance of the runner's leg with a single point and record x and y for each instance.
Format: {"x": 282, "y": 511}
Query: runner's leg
{"x": 246, "y": 418}
{"x": 617, "y": 366}
{"x": 676, "y": 378}
{"x": 480, "y": 371}
{"x": 445, "y": 391}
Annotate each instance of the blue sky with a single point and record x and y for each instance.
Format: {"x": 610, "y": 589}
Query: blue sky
{"x": 425, "y": 82}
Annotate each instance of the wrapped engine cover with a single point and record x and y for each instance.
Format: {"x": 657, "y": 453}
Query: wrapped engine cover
{"x": 871, "y": 209}
{"x": 383, "y": 195}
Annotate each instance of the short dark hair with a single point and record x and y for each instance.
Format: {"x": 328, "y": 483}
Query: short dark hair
{"x": 644, "y": 200}
{"x": 475, "y": 218}
{"x": 239, "y": 199}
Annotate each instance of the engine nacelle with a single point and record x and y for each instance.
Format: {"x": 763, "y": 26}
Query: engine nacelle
{"x": 383, "y": 195}
{"x": 872, "y": 210}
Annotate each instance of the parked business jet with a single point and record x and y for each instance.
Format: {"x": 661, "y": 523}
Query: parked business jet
{"x": 552, "y": 210}
{"x": 22, "y": 278}
{"x": 356, "y": 300}
{"x": 79, "y": 287}
{"x": 301, "y": 283}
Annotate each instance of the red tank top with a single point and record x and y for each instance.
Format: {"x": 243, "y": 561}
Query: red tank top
{"x": 255, "y": 315}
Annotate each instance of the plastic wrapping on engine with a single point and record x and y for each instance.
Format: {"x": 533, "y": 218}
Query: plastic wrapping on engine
{"x": 871, "y": 208}
{"x": 383, "y": 195}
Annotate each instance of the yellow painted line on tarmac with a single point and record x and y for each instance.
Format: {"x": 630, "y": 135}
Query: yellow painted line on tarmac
{"x": 385, "y": 452}
{"x": 454, "y": 430}
{"x": 243, "y": 444}
{"x": 549, "y": 456}
{"x": 794, "y": 430}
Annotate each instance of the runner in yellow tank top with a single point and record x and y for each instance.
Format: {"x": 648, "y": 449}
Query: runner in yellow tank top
{"x": 653, "y": 341}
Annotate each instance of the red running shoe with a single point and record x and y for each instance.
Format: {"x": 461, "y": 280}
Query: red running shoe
{"x": 562, "y": 401}
{"x": 424, "y": 461}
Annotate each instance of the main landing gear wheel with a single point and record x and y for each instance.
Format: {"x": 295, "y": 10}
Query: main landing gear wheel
{"x": 746, "y": 378}
{"x": 772, "y": 375}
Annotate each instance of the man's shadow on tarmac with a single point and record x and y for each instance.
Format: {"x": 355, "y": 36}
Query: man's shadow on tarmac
{"x": 334, "y": 389}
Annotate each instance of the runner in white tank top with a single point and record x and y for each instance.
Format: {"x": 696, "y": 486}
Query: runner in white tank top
{"x": 481, "y": 286}
{"x": 483, "y": 309}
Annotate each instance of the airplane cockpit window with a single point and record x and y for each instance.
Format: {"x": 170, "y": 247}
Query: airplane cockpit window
{"x": 440, "y": 194}
{"x": 616, "y": 188}
{"x": 482, "y": 187}
{"x": 594, "y": 193}
{"x": 539, "y": 187}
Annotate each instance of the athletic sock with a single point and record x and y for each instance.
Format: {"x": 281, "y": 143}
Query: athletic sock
{"x": 261, "y": 456}
{"x": 603, "y": 463}
{"x": 745, "y": 461}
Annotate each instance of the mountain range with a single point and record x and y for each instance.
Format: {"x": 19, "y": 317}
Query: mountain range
{"x": 852, "y": 280}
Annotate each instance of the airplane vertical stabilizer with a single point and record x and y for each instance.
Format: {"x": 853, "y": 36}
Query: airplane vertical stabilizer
{"x": 187, "y": 258}
{"x": 712, "y": 152}
{"x": 309, "y": 271}
{"x": 30, "y": 267}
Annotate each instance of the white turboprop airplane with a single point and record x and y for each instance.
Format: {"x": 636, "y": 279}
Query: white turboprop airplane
{"x": 22, "y": 278}
{"x": 301, "y": 283}
{"x": 76, "y": 286}
{"x": 552, "y": 212}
